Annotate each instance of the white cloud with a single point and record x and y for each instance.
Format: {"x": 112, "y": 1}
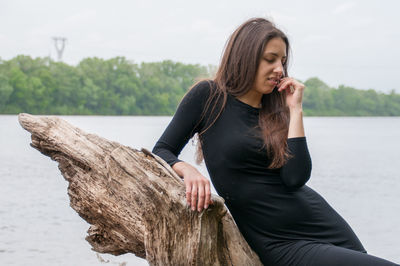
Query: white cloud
{"x": 85, "y": 16}
{"x": 70, "y": 24}
{"x": 343, "y": 8}
{"x": 361, "y": 22}
{"x": 316, "y": 38}
{"x": 3, "y": 38}
{"x": 281, "y": 18}
{"x": 6, "y": 46}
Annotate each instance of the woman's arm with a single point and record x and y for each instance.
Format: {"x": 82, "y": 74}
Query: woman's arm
{"x": 197, "y": 186}
{"x": 296, "y": 127}
{"x": 184, "y": 124}
{"x": 297, "y": 170}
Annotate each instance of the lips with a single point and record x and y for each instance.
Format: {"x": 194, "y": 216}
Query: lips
{"x": 273, "y": 81}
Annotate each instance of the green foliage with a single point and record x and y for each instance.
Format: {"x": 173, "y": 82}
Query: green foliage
{"x": 120, "y": 87}
{"x": 321, "y": 100}
{"x": 95, "y": 86}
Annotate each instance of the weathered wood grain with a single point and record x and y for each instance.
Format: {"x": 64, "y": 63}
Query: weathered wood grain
{"x": 135, "y": 202}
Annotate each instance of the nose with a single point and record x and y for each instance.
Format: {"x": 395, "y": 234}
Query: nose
{"x": 279, "y": 69}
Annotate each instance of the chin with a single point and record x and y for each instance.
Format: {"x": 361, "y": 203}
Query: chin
{"x": 268, "y": 90}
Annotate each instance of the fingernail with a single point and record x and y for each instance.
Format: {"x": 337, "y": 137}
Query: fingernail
{"x": 193, "y": 208}
{"x": 205, "y": 206}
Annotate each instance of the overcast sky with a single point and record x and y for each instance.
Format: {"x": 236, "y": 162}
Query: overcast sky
{"x": 356, "y": 43}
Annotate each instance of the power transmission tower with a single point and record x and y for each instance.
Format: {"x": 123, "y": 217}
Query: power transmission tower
{"x": 59, "y": 43}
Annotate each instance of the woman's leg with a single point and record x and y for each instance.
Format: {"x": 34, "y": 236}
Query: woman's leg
{"x": 329, "y": 255}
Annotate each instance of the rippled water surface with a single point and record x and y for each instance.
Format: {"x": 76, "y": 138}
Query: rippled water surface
{"x": 356, "y": 168}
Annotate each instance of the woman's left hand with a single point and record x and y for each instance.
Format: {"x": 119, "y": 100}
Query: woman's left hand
{"x": 294, "y": 92}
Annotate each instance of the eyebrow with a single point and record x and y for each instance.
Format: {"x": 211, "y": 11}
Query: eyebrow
{"x": 275, "y": 54}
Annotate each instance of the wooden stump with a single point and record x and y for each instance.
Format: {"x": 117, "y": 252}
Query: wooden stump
{"x": 135, "y": 202}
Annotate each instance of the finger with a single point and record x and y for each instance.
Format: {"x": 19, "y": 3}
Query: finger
{"x": 194, "y": 196}
{"x": 207, "y": 200}
{"x": 289, "y": 87}
{"x": 282, "y": 86}
{"x": 188, "y": 193}
{"x": 282, "y": 80}
{"x": 279, "y": 83}
{"x": 200, "y": 203}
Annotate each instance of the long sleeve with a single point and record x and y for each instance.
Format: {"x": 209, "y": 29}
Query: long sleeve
{"x": 297, "y": 170}
{"x": 185, "y": 123}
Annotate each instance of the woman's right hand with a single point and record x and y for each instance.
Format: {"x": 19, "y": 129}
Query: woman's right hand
{"x": 198, "y": 190}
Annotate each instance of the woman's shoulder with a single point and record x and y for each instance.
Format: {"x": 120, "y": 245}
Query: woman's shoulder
{"x": 201, "y": 91}
{"x": 203, "y": 87}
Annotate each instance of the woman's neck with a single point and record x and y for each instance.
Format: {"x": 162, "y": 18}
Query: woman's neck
{"x": 251, "y": 98}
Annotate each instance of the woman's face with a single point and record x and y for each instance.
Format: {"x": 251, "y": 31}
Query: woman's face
{"x": 270, "y": 69}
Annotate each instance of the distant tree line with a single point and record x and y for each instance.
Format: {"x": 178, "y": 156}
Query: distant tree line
{"x": 322, "y": 100}
{"x": 94, "y": 87}
{"x": 121, "y": 87}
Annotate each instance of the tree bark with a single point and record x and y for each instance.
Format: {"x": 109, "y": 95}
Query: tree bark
{"x": 135, "y": 202}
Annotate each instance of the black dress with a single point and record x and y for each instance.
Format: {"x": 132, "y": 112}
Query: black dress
{"x": 282, "y": 219}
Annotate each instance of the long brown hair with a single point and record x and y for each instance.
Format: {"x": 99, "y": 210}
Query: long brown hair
{"x": 236, "y": 75}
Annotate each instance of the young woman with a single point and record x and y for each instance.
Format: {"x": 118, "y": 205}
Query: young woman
{"x": 250, "y": 127}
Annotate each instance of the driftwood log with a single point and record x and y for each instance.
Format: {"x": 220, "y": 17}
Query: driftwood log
{"x": 135, "y": 202}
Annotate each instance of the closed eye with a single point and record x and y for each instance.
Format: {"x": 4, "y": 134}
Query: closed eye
{"x": 273, "y": 60}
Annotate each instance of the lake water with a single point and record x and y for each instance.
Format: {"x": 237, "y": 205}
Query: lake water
{"x": 356, "y": 168}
